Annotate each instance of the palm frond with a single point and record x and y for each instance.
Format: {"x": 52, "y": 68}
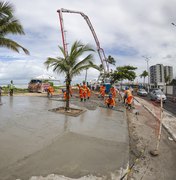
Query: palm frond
{"x": 80, "y": 69}
{"x": 96, "y": 66}
{"x": 62, "y": 50}
{"x": 10, "y": 44}
{"x": 81, "y": 50}
{"x": 72, "y": 64}
{"x": 51, "y": 61}
{"x": 6, "y": 9}
{"x": 59, "y": 65}
{"x": 10, "y": 26}
{"x": 84, "y": 61}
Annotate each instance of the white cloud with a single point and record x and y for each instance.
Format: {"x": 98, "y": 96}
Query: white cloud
{"x": 127, "y": 30}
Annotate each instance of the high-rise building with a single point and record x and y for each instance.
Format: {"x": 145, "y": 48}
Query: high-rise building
{"x": 168, "y": 73}
{"x": 158, "y": 73}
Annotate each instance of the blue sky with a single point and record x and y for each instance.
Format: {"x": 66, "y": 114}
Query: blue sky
{"x": 127, "y": 30}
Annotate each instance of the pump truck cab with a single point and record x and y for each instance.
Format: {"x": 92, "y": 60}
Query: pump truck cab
{"x": 37, "y": 85}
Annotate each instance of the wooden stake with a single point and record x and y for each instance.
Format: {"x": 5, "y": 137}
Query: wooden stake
{"x": 156, "y": 151}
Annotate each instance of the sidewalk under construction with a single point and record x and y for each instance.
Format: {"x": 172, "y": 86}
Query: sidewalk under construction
{"x": 35, "y": 141}
{"x": 168, "y": 120}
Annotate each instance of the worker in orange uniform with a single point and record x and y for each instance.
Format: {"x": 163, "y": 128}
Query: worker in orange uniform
{"x": 84, "y": 91}
{"x": 113, "y": 91}
{"x": 80, "y": 92}
{"x": 128, "y": 98}
{"x": 129, "y": 102}
{"x": 88, "y": 93}
{"x": 50, "y": 91}
{"x": 102, "y": 91}
{"x": 65, "y": 94}
{"x": 110, "y": 101}
{"x": 125, "y": 94}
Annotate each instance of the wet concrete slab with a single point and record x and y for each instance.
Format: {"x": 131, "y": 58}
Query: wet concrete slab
{"x": 35, "y": 141}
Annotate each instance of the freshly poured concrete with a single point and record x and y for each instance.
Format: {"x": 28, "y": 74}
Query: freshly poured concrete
{"x": 35, "y": 141}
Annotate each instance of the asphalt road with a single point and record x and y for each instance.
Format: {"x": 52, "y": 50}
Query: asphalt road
{"x": 168, "y": 105}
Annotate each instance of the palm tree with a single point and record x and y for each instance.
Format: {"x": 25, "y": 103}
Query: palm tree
{"x": 111, "y": 60}
{"x": 144, "y": 74}
{"x": 9, "y": 25}
{"x": 71, "y": 64}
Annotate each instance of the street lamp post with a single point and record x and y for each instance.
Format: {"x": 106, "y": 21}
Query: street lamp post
{"x": 147, "y": 60}
{"x": 86, "y": 76}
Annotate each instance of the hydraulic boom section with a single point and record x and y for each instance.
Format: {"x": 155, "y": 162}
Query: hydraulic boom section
{"x": 99, "y": 49}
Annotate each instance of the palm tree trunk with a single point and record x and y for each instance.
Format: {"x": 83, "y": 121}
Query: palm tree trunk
{"x": 67, "y": 107}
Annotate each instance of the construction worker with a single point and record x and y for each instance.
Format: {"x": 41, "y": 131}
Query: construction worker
{"x": 50, "y": 91}
{"x": 110, "y": 101}
{"x": 125, "y": 94}
{"x": 88, "y": 93}
{"x": 113, "y": 91}
{"x": 102, "y": 91}
{"x": 129, "y": 102}
{"x": 84, "y": 91}
{"x": 65, "y": 94}
{"x": 128, "y": 98}
{"x": 80, "y": 92}
{"x": 11, "y": 88}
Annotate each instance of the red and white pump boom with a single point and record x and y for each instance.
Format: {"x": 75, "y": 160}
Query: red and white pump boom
{"x": 99, "y": 49}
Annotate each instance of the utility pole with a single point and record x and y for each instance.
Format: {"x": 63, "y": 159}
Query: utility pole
{"x": 147, "y": 60}
{"x": 86, "y": 76}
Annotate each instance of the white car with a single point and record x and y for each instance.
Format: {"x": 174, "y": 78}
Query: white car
{"x": 142, "y": 92}
{"x": 157, "y": 95}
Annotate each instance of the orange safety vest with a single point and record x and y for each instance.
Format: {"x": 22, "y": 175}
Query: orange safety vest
{"x": 88, "y": 92}
{"x": 51, "y": 90}
{"x": 102, "y": 90}
{"x": 65, "y": 95}
{"x": 113, "y": 92}
{"x": 110, "y": 101}
{"x": 129, "y": 99}
{"x": 80, "y": 91}
{"x": 84, "y": 91}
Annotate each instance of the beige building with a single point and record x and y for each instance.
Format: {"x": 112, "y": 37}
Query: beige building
{"x": 168, "y": 72}
{"x": 158, "y": 73}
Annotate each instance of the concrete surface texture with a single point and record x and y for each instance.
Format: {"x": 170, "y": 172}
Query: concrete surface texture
{"x": 168, "y": 120}
{"x": 35, "y": 141}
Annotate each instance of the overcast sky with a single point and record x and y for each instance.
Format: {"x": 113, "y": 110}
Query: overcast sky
{"x": 126, "y": 29}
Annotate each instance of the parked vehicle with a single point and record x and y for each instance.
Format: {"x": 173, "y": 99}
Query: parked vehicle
{"x": 157, "y": 95}
{"x": 36, "y": 85}
{"x": 142, "y": 92}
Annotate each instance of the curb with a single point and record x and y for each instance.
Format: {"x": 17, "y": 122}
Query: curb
{"x": 165, "y": 127}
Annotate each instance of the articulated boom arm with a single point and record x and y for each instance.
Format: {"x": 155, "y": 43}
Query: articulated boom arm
{"x": 99, "y": 49}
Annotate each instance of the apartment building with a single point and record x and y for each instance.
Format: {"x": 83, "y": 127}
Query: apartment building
{"x": 168, "y": 72}
{"x": 158, "y": 73}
